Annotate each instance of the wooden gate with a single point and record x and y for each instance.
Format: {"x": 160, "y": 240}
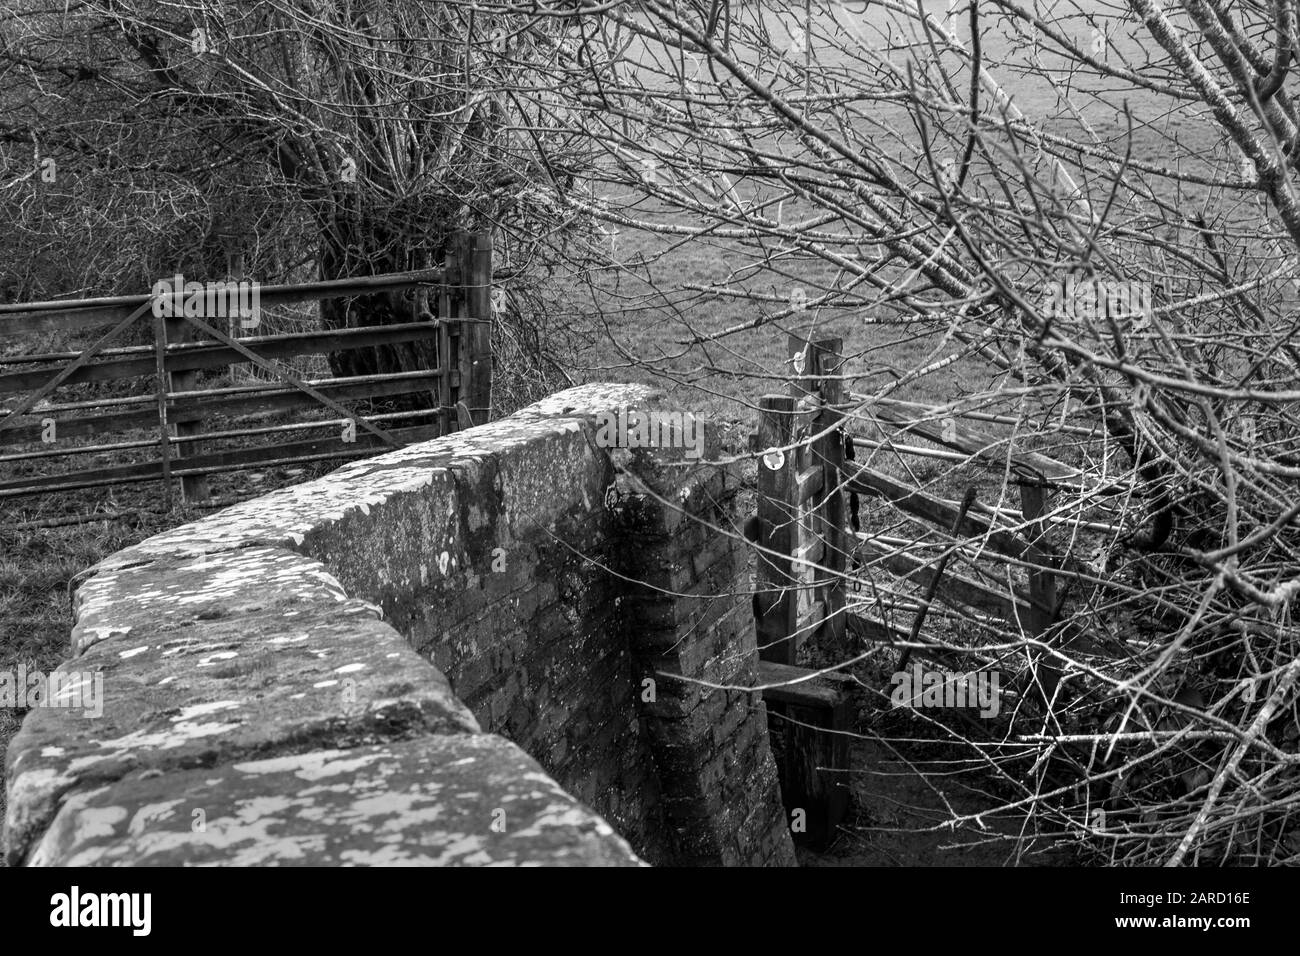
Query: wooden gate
{"x": 174, "y": 415}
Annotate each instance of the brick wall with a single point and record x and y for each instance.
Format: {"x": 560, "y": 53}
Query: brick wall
{"x": 688, "y": 620}
{"x": 458, "y": 622}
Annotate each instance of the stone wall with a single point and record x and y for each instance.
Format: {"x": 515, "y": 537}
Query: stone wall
{"x": 483, "y": 648}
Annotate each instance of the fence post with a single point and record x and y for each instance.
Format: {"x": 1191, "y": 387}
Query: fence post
{"x": 176, "y": 330}
{"x": 777, "y": 521}
{"x": 160, "y": 393}
{"x": 825, "y": 517}
{"x": 830, "y": 449}
{"x": 476, "y": 340}
{"x": 448, "y": 311}
{"x": 460, "y": 337}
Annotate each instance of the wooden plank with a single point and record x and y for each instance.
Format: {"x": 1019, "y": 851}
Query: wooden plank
{"x": 867, "y": 480}
{"x": 478, "y": 336}
{"x": 929, "y": 422}
{"x": 812, "y": 735}
{"x": 208, "y": 355}
{"x": 810, "y": 613}
{"x": 808, "y": 545}
{"x": 955, "y": 589}
{"x": 808, "y": 482}
{"x": 992, "y": 418}
{"x": 801, "y": 686}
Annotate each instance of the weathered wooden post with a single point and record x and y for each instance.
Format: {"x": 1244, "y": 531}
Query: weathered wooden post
{"x": 176, "y": 330}
{"x": 449, "y": 311}
{"x": 829, "y": 450}
{"x": 160, "y": 393}
{"x": 476, "y": 340}
{"x": 813, "y": 719}
{"x": 819, "y": 499}
{"x": 465, "y": 333}
{"x": 776, "y": 596}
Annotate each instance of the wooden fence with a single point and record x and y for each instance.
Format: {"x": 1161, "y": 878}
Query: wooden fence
{"x": 178, "y": 411}
{"x": 808, "y": 556}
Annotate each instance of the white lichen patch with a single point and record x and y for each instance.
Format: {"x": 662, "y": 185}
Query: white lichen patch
{"x": 181, "y": 733}
{"x": 150, "y": 814}
{"x": 203, "y": 710}
{"x": 95, "y": 822}
{"x": 312, "y": 766}
{"x": 214, "y": 658}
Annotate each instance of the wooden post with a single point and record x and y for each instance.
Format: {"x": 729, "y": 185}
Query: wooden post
{"x": 777, "y": 517}
{"x": 1035, "y": 502}
{"x": 460, "y": 329}
{"x": 477, "y": 339}
{"x": 830, "y": 449}
{"x": 448, "y": 309}
{"x": 193, "y": 487}
{"x": 160, "y": 391}
{"x": 824, "y": 512}
{"x": 813, "y": 719}
{"x": 809, "y": 544}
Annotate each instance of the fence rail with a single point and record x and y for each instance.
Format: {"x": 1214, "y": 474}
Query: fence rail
{"x": 179, "y": 412}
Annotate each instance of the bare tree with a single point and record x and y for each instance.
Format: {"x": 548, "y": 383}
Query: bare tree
{"x": 1078, "y": 220}
{"x": 350, "y": 138}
